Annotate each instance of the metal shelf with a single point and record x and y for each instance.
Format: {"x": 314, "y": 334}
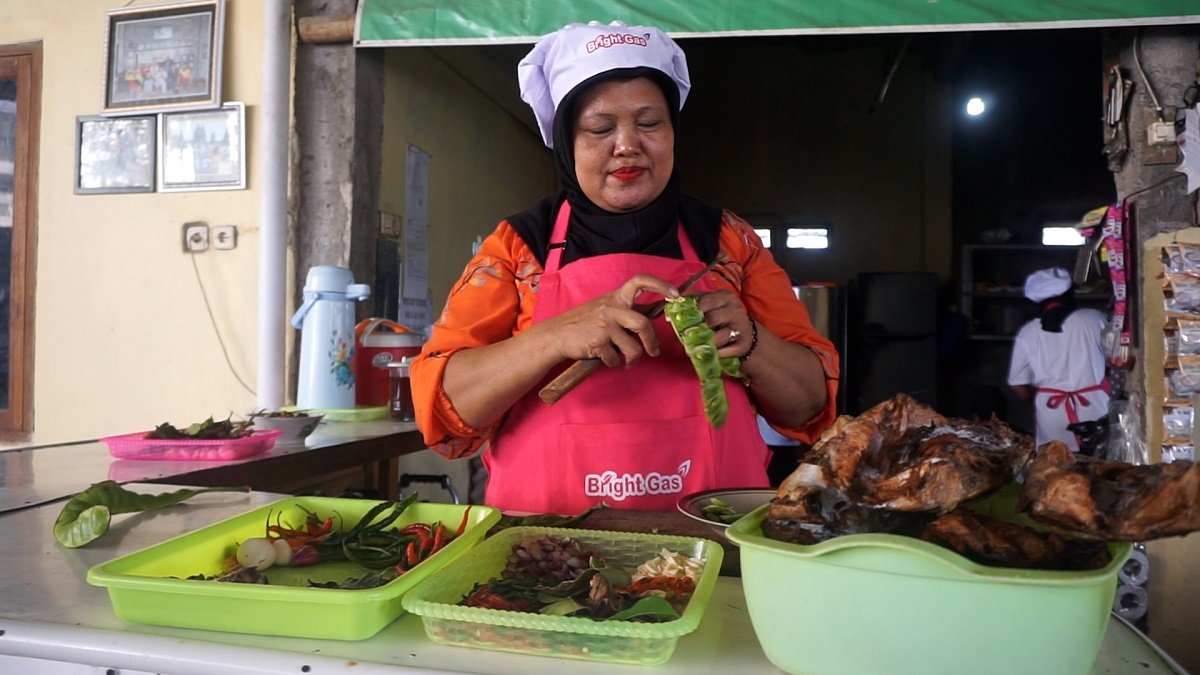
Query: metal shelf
{"x": 1000, "y": 313}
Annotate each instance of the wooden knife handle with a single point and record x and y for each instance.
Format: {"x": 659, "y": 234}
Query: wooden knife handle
{"x": 583, "y": 369}
{"x": 568, "y": 379}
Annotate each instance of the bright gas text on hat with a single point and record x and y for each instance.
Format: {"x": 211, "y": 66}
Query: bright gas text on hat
{"x": 611, "y": 39}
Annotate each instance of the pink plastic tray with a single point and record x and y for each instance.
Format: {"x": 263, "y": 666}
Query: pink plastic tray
{"x": 137, "y": 446}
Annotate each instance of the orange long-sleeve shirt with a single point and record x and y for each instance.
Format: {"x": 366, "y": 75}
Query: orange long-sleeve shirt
{"x": 495, "y": 297}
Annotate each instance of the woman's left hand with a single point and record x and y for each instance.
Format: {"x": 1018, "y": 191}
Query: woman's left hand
{"x": 727, "y": 317}
{"x": 786, "y": 379}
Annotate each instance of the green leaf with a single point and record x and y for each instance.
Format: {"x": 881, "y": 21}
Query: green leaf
{"x": 87, "y": 526}
{"x": 86, "y": 515}
{"x": 195, "y": 429}
{"x": 617, "y": 577}
{"x": 649, "y": 606}
{"x": 564, "y": 607}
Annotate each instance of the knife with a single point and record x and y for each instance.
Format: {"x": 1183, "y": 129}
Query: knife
{"x": 583, "y": 368}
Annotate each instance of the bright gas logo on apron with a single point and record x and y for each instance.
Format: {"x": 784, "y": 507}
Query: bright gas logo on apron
{"x": 609, "y": 485}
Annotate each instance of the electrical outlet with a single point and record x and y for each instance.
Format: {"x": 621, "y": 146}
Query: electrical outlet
{"x": 224, "y": 237}
{"x": 195, "y": 237}
{"x": 1160, "y": 133}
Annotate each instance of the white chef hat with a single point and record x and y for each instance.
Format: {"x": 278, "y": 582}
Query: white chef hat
{"x": 567, "y": 57}
{"x": 1047, "y": 283}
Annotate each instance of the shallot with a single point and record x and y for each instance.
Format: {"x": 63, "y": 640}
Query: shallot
{"x": 256, "y": 552}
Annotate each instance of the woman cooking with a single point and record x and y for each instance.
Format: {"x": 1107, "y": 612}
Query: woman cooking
{"x": 559, "y": 283}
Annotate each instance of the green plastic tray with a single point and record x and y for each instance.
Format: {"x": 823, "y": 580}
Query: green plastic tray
{"x": 880, "y": 603}
{"x": 150, "y": 585}
{"x": 436, "y": 599}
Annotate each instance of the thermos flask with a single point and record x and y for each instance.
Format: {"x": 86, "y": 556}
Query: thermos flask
{"x": 326, "y": 323}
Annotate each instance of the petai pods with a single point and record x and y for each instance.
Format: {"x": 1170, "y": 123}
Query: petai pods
{"x": 688, "y": 322}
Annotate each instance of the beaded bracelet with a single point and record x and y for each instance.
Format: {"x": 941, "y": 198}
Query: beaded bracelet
{"x": 753, "y": 341}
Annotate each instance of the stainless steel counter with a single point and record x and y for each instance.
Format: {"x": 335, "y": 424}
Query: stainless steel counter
{"x": 41, "y": 474}
{"x": 48, "y": 611}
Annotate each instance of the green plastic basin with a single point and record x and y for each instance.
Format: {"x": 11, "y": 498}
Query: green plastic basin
{"x": 881, "y": 603}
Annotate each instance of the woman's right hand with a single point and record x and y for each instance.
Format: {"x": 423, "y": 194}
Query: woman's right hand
{"x": 609, "y": 328}
{"x": 484, "y": 382}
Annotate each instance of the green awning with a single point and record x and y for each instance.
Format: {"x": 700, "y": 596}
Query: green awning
{"x": 382, "y": 23}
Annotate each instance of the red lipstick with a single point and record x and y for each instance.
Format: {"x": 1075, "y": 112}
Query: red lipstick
{"x": 628, "y": 173}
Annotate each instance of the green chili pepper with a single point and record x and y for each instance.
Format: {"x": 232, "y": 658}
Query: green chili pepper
{"x": 369, "y": 543}
{"x": 87, "y": 515}
{"x": 687, "y": 320}
{"x": 368, "y": 525}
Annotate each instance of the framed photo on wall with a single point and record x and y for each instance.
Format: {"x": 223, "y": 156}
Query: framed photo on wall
{"x": 202, "y": 149}
{"x": 163, "y": 57}
{"x": 114, "y": 154}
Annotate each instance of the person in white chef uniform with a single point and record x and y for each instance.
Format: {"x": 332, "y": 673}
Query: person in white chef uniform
{"x": 1058, "y": 359}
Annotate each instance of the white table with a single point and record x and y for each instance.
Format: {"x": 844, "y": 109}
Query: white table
{"x": 48, "y": 611}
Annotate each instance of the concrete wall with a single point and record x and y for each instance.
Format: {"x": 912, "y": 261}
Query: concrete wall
{"x": 123, "y": 335}
{"x": 1162, "y": 212}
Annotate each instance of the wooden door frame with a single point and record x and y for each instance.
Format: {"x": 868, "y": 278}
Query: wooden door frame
{"x": 23, "y": 60}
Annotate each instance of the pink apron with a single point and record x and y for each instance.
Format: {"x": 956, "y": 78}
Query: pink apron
{"x": 633, "y": 437}
{"x": 1071, "y": 400}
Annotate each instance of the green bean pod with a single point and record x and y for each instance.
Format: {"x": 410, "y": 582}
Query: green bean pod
{"x": 687, "y": 321}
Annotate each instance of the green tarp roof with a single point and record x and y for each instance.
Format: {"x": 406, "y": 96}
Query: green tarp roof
{"x": 382, "y": 23}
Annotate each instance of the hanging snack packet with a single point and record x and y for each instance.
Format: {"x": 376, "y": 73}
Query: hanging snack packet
{"x": 1185, "y": 295}
{"x": 1185, "y": 381}
{"x": 1172, "y": 258}
{"x": 1189, "y": 255}
{"x": 1189, "y": 335}
{"x": 1172, "y": 453}
{"x": 1177, "y": 423}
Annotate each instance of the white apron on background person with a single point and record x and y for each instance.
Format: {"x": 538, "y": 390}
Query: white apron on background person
{"x": 1068, "y": 371}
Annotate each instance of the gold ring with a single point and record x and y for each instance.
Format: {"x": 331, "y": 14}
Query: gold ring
{"x": 733, "y": 335}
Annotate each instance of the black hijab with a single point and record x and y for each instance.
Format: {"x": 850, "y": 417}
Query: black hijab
{"x": 594, "y": 231}
{"x": 1053, "y": 311}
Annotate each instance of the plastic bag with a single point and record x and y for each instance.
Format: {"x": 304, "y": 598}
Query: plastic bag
{"x": 1126, "y": 441}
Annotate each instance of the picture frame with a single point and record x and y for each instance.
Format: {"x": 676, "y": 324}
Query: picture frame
{"x": 202, "y": 149}
{"x": 163, "y": 57}
{"x": 115, "y": 154}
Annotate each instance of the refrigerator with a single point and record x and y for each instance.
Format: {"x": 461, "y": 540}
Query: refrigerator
{"x": 891, "y": 344}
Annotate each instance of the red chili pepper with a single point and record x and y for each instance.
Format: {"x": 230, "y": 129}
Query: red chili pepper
{"x": 424, "y": 538}
{"x": 463, "y": 525}
{"x": 416, "y": 529}
{"x": 674, "y": 586}
{"x": 439, "y": 538}
{"x": 486, "y": 598}
{"x": 411, "y": 553}
{"x": 326, "y": 526}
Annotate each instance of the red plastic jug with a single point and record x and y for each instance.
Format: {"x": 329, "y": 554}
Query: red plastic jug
{"x": 379, "y": 342}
